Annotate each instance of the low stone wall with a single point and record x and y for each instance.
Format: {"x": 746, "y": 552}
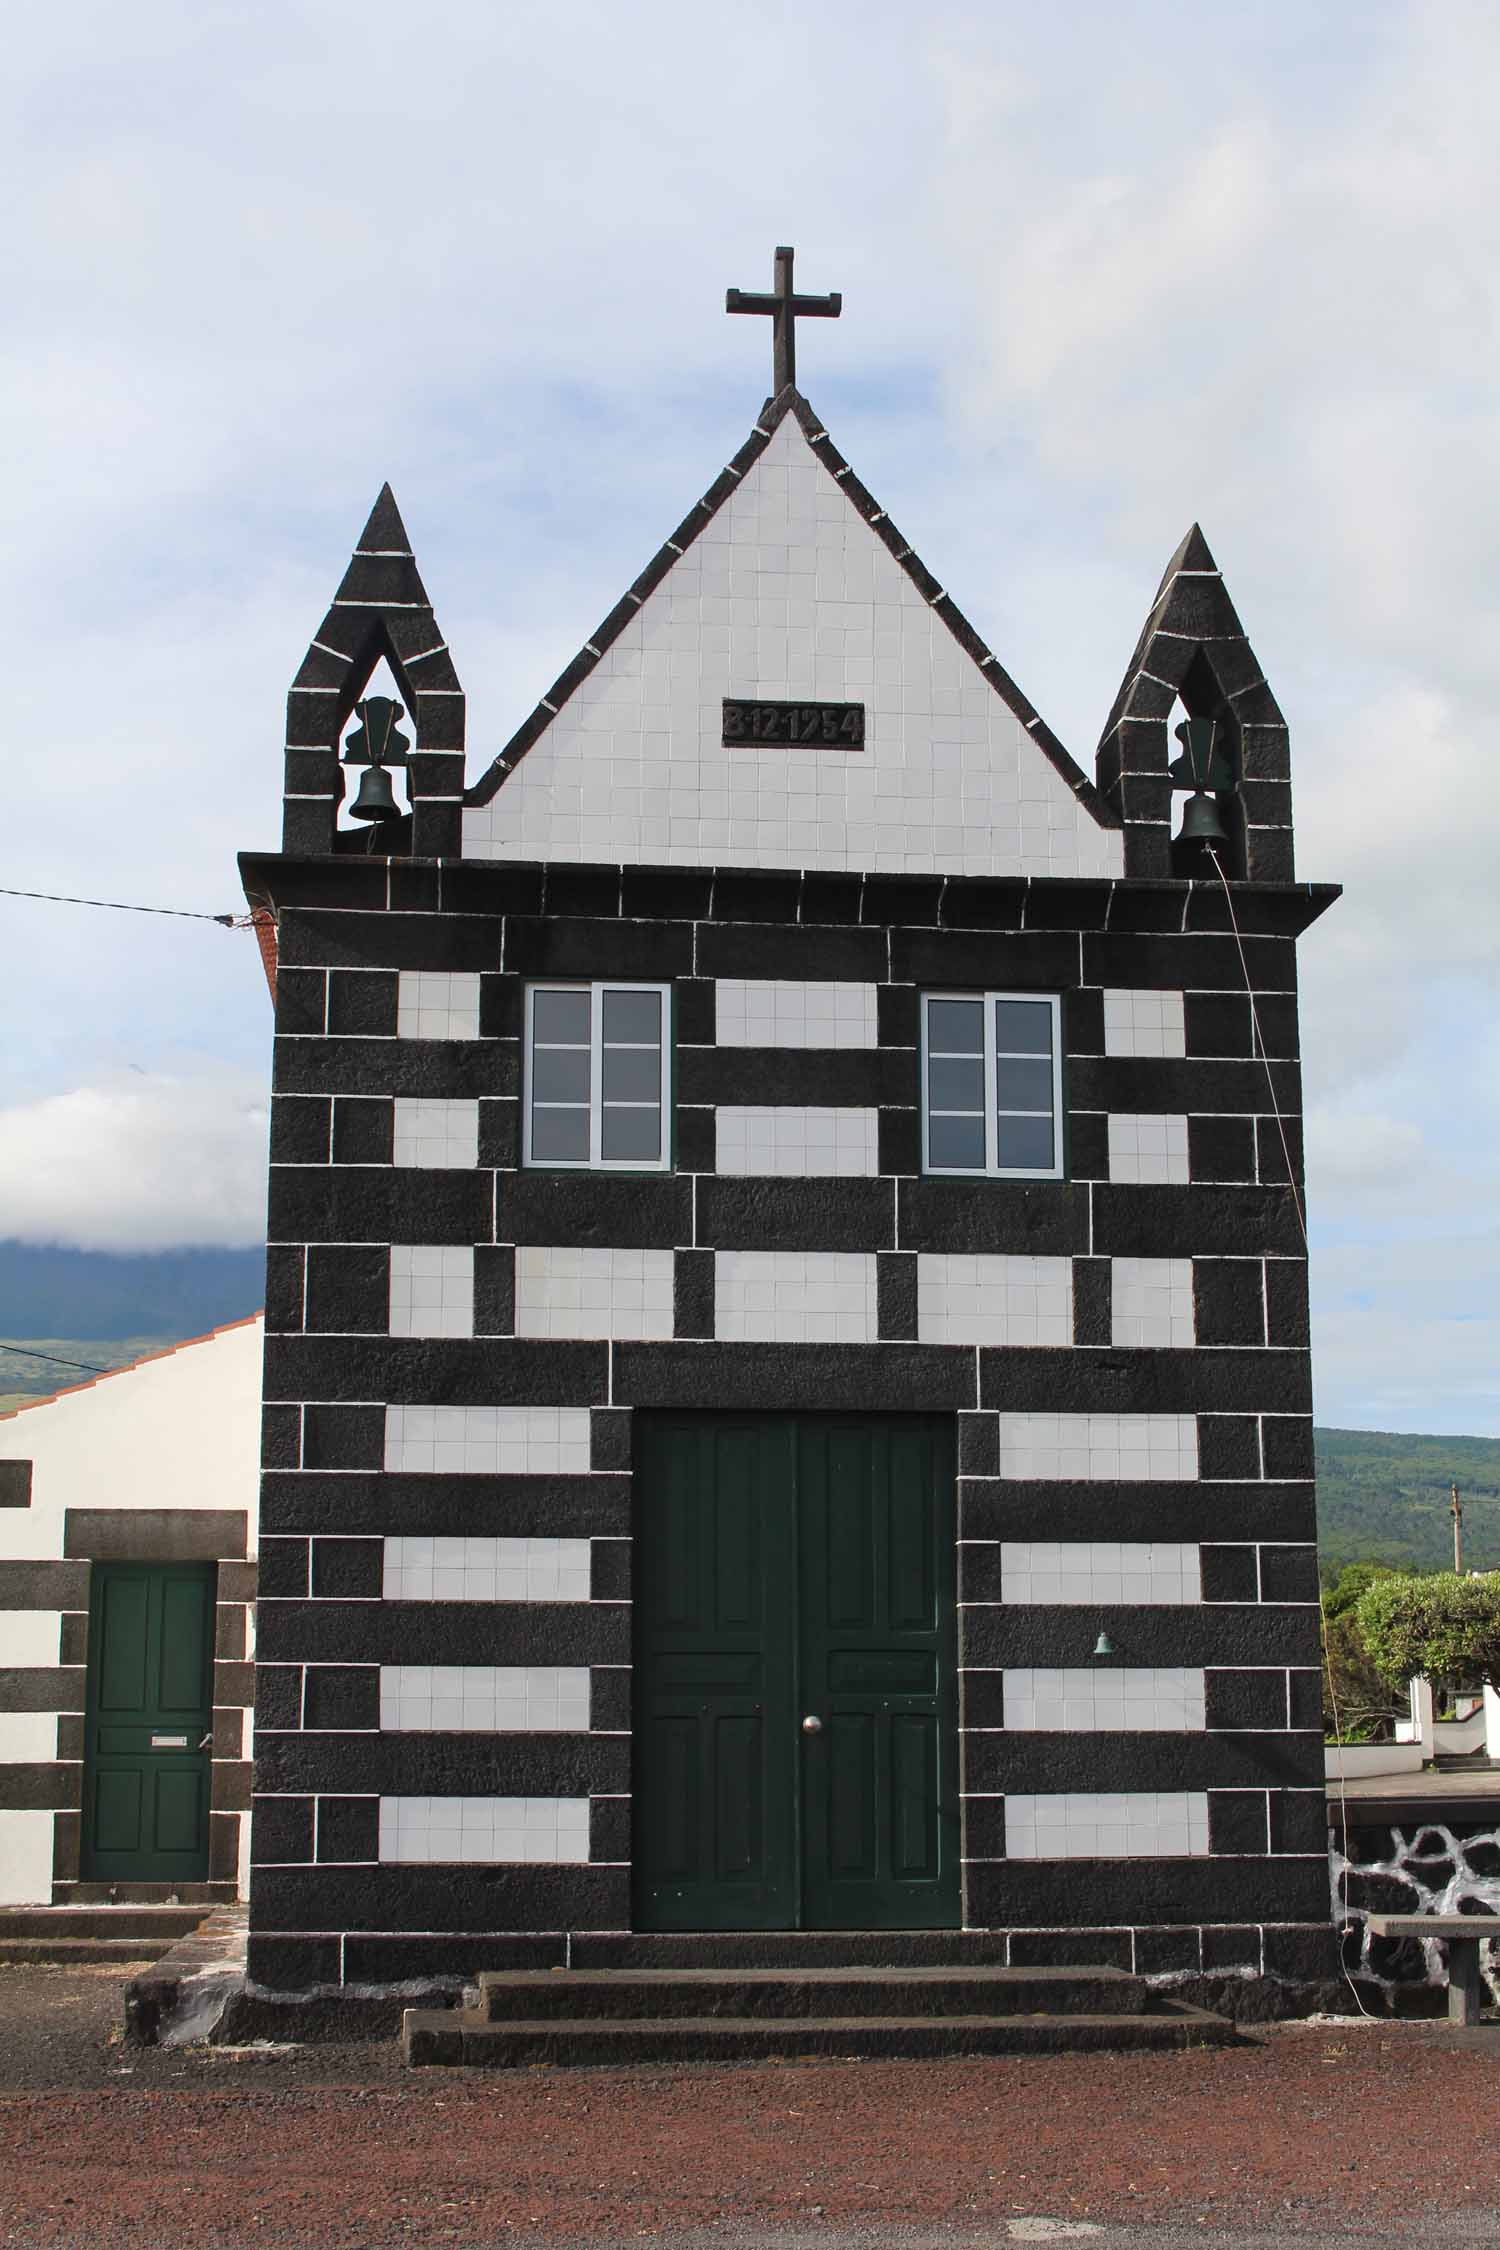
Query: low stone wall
{"x": 1426, "y": 1868}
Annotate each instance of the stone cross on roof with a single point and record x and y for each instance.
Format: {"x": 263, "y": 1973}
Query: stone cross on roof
{"x": 784, "y": 305}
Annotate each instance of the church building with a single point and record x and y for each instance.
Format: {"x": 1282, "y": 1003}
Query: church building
{"x": 787, "y": 1399}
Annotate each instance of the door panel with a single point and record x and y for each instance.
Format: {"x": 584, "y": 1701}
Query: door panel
{"x": 787, "y": 1567}
{"x": 150, "y": 1705}
{"x": 715, "y": 1754}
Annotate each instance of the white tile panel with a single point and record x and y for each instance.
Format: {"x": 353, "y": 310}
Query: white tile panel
{"x": 794, "y": 1297}
{"x": 436, "y": 1135}
{"x": 437, "y": 1004}
{"x": 1148, "y": 1151}
{"x": 1105, "y": 1699}
{"x": 994, "y": 1300}
{"x": 772, "y": 1012}
{"x": 797, "y": 1143}
{"x": 562, "y": 1291}
{"x": 1169, "y": 1824}
{"x": 1151, "y": 1302}
{"x": 787, "y": 593}
{"x": 1143, "y": 1023}
{"x": 432, "y": 1290}
{"x": 1118, "y": 1448}
{"x": 487, "y": 1440}
{"x": 474, "y": 1569}
{"x": 484, "y": 1831}
{"x": 32, "y": 1636}
{"x": 1100, "y": 1571}
{"x": 27, "y": 1738}
{"x": 484, "y": 1699}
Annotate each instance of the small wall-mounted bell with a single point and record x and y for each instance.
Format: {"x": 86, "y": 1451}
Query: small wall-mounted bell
{"x": 1200, "y": 822}
{"x": 375, "y": 799}
{"x": 1104, "y": 1646}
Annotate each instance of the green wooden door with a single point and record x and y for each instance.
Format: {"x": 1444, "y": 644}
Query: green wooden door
{"x": 793, "y": 1569}
{"x": 150, "y": 1712}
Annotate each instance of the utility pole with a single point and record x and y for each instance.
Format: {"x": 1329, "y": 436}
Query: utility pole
{"x": 1455, "y": 1510}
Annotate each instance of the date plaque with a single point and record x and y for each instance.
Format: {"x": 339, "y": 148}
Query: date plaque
{"x": 752, "y": 725}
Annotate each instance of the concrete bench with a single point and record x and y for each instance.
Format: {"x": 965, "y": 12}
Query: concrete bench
{"x": 1465, "y": 1934}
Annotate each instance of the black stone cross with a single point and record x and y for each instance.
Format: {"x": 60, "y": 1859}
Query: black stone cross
{"x": 784, "y": 305}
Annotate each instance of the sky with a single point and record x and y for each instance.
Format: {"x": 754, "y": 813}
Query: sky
{"x": 1107, "y": 269}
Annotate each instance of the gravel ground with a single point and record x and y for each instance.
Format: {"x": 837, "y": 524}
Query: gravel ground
{"x": 1330, "y": 2133}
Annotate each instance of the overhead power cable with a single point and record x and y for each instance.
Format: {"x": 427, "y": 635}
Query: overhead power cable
{"x": 24, "y": 1351}
{"x": 122, "y": 906}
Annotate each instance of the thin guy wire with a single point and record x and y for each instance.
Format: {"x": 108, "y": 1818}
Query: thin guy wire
{"x": 24, "y": 1351}
{"x": 121, "y": 906}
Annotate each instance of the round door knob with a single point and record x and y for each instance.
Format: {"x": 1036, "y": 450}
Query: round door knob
{"x": 812, "y": 1724}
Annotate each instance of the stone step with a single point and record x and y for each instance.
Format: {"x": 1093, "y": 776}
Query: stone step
{"x": 144, "y": 1930}
{"x": 431, "y": 2036}
{"x": 787, "y": 1995}
{"x": 808, "y": 1949}
{"x": 80, "y": 1952}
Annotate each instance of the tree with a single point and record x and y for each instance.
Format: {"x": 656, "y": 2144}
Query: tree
{"x": 1445, "y": 1626}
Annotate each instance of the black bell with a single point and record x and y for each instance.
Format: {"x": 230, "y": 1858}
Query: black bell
{"x": 376, "y": 800}
{"x": 1200, "y": 822}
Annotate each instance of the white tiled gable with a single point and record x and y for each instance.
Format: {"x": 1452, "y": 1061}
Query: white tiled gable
{"x": 779, "y": 1012}
{"x": 797, "y": 1143}
{"x": 1143, "y": 1023}
{"x": 788, "y": 593}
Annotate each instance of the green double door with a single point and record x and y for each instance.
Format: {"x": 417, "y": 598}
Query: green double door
{"x": 795, "y": 1674}
{"x": 148, "y": 1722}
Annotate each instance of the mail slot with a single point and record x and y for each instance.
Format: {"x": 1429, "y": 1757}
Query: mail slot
{"x": 169, "y": 1741}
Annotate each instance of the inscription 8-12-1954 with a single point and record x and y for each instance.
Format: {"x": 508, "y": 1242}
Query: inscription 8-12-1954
{"x": 813, "y": 726}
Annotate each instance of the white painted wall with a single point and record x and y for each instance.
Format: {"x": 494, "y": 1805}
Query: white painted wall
{"x": 178, "y": 1431}
{"x": 788, "y": 594}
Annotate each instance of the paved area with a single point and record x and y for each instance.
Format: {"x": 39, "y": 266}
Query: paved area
{"x": 1329, "y": 2133}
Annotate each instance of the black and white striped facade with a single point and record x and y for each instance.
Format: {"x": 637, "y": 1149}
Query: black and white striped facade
{"x": 459, "y": 1342}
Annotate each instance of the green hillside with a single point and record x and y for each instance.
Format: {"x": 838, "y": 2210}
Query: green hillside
{"x": 1383, "y": 1497}
{"x": 23, "y": 1379}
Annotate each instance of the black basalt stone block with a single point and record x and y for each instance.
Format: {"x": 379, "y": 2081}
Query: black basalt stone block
{"x": 284, "y": 1276}
{"x": 502, "y": 1006}
{"x": 1161, "y": 1953}
{"x": 438, "y": 1898}
{"x": 500, "y": 1135}
{"x": 362, "y": 1003}
{"x": 693, "y": 1293}
{"x": 348, "y": 1829}
{"x": 1002, "y": 961}
{"x": 622, "y": 1211}
{"x": 1251, "y": 1701}
{"x": 1047, "y": 1218}
{"x": 896, "y": 1295}
{"x": 1237, "y": 1821}
{"x": 348, "y": 1289}
{"x": 695, "y": 1140}
{"x": 1307, "y": 1955}
{"x": 292, "y": 1964}
{"x": 694, "y": 1012}
{"x": 1229, "y": 1574}
{"x": 364, "y": 1129}
{"x": 347, "y": 1569}
{"x": 1093, "y": 1302}
{"x": 655, "y": 952}
{"x": 981, "y": 1578}
{"x": 284, "y": 1567}
{"x": 1286, "y": 1302}
{"x": 1221, "y": 1148}
{"x": 978, "y": 1445}
{"x": 1216, "y": 1023}
{"x": 341, "y": 1698}
{"x": 494, "y": 1289}
{"x": 371, "y": 1205}
{"x": 343, "y": 1437}
{"x": 899, "y": 1142}
{"x": 1305, "y": 1699}
{"x": 300, "y": 1128}
{"x": 609, "y": 1570}
{"x": 281, "y": 1828}
{"x": 583, "y": 893}
{"x": 301, "y": 1001}
{"x": 792, "y": 1214}
{"x": 1087, "y": 1146}
{"x": 1229, "y": 1300}
{"x": 609, "y": 1830}
{"x": 278, "y": 1697}
{"x": 609, "y": 1698}
{"x": 841, "y": 1378}
{"x": 1083, "y": 1021}
{"x": 1287, "y": 1444}
{"x": 830, "y": 899}
{"x": 1288, "y": 1574}
{"x": 609, "y": 1437}
{"x": 1299, "y": 1820}
{"x": 1228, "y": 1446}
{"x": 984, "y": 1828}
{"x": 896, "y": 1015}
{"x": 1276, "y": 1139}
{"x": 1231, "y": 1949}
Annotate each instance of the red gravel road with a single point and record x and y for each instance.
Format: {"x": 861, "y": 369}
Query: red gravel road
{"x": 1313, "y": 2127}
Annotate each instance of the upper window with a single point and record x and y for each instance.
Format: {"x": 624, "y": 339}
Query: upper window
{"x": 597, "y": 1086}
{"x": 992, "y": 1084}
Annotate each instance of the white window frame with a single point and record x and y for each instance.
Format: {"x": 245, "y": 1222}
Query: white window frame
{"x": 594, "y": 1162}
{"x": 990, "y": 1170}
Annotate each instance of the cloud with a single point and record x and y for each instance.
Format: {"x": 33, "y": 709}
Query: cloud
{"x": 144, "y": 1162}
